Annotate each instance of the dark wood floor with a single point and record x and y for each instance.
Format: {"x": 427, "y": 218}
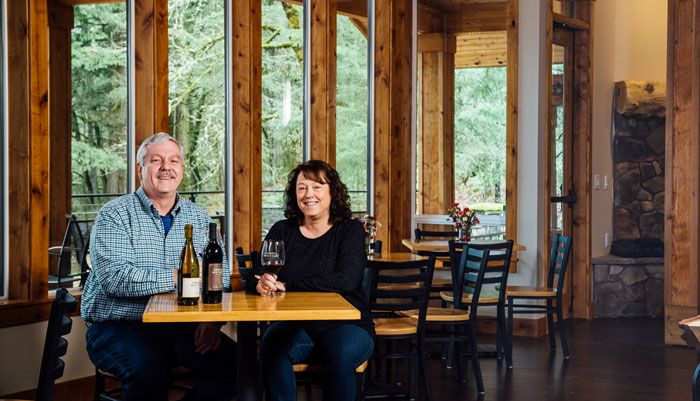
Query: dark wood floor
{"x": 612, "y": 359}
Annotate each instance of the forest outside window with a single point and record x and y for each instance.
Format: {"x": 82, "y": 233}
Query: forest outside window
{"x": 351, "y": 109}
{"x": 197, "y": 98}
{"x": 282, "y": 101}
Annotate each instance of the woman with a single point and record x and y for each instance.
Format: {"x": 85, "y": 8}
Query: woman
{"x": 324, "y": 250}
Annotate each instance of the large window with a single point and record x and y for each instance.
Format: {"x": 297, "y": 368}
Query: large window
{"x": 351, "y": 109}
{"x": 480, "y": 146}
{"x": 282, "y": 101}
{"x": 99, "y": 111}
{"x": 197, "y": 97}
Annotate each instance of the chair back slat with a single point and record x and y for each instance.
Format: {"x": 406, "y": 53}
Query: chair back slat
{"x": 423, "y": 234}
{"x": 388, "y": 290}
{"x": 498, "y": 266}
{"x": 245, "y": 263}
{"x": 55, "y": 346}
{"x": 470, "y": 276}
{"x": 558, "y": 261}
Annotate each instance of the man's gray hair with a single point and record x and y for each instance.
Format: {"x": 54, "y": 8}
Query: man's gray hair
{"x": 160, "y": 137}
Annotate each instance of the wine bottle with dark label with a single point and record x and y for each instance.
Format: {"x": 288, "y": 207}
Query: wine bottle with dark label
{"x": 212, "y": 269}
{"x": 188, "y": 279}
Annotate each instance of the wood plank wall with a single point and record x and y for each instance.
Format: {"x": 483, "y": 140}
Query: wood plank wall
{"x": 436, "y": 56}
{"x": 393, "y": 97}
{"x": 60, "y": 25}
{"x": 323, "y": 79}
{"x": 512, "y": 26}
{"x": 247, "y": 124}
{"x": 681, "y": 237}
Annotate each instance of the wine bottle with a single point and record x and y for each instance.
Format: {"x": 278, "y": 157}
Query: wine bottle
{"x": 188, "y": 279}
{"x": 212, "y": 269}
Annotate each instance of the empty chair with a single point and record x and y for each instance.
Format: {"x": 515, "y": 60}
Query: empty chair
{"x": 551, "y": 294}
{"x": 397, "y": 287}
{"x": 376, "y": 246}
{"x": 73, "y": 248}
{"x": 458, "y": 323}
{"x": 426, "y": 234}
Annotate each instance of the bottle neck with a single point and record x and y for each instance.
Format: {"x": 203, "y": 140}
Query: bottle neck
{"x": 212, "y": 233}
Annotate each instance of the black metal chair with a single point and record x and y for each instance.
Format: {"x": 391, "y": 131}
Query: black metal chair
{"x": 461, "y": 319}
{"x": 376, "y": 246}
{"x": 396, "y": 288}
{"x": 427, "y": 234}
{"x": 498, "y": 268}
{"x": 55, "y": 346}
{"x": 245, "y": 263}
{"x": 551, "y": 294}
{"x": 73, "y": 248}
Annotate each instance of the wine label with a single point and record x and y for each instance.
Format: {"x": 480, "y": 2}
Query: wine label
{"x": 216, "y": 277}
{"x": 190, "y": 287}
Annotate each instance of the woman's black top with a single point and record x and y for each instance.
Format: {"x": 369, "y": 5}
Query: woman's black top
{"x": 333, "y": 262}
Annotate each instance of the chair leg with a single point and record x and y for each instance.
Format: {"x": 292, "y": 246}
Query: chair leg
{"x": 359, "y": 386}
{"x": 475, "y": 358}
{"x": 99, "y": 385}
{"x": 460, "y": 364}
{"x": 696, "y": 390}
{"x": 422, "y": 366}
{"x": 509, "y": 336}
{"x": 500, "y": 330}
{"x": 561, "y": 326}
{"x": 550, "y": 326}
{"x": 413, "y": 370}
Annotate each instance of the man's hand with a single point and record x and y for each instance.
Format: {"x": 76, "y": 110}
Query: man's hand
{"x": 207, "y": 337}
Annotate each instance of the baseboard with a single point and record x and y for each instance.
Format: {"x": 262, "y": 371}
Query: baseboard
{"x": 70, "y": 390}
{"x": 522, "y": 327}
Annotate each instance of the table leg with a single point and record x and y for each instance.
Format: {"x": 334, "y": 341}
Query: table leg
{"x": 246, "y": 361}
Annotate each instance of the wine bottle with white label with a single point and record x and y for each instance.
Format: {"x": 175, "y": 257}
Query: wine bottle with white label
{"x": 188, "y": 280}
{"x": 212, "y": 269}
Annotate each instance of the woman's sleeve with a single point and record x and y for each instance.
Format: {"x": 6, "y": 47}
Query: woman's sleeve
{"x": 350, "y": 265}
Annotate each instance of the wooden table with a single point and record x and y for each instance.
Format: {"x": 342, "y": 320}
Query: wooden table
{"x": 396, "y": 257}
{"x": 443, "y": 245}
{"x": 247, "y": 309}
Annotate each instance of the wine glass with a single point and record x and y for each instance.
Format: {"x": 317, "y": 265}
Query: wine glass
{"x": 272, "y": 258}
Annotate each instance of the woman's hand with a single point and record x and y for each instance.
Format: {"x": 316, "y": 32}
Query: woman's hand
{"x": 267, "y": 283}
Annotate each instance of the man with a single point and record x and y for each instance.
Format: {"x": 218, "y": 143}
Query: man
{"x": 135, "y": 248}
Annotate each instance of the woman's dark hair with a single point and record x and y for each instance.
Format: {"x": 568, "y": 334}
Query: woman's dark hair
{"x": 323, "y": 173}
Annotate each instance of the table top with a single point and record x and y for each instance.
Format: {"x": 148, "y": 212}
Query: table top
{"x": 242, "y": 307}
{"x": 443, "y": 246}
{"x": 396, "y": 257}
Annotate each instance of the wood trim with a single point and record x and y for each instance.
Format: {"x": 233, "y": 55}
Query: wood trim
{"x": 16, "y": 313}
{"x": 582, "y": 165}
{"x": 81, "y": 389}
{"x": 151, "y": 75}
{"x": 546, "y": 241}
{"x": 571, "y": 23}
{"x": 247, "y": 126}
{"x": 393, "y": 96}
{"x": 682, "y": 220}
{"x": 323, "y": 80}
{"x": 436, "y": 108}
{"x": 60, "y": 101}
{"x": 513, "y": 23}
{"x": 477, "y": 17}
{"x": 83, "y": 2}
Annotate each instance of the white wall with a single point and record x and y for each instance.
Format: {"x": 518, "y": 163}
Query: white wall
{"x": 629, "y": 42}
{"x": 531, "y": 125}
{"x": 21, "y": 351}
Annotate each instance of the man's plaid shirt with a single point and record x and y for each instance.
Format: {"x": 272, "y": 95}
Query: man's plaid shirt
{"x": 132, "y": 258}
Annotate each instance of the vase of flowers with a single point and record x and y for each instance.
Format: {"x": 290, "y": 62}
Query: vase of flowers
{"x": 370, "y": 225}
{"x": 464, "y": 219}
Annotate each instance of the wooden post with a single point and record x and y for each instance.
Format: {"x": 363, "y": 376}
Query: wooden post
{"x": 60, "y": 25}
{"x": 247, "y": 125}
{"x": 681, "y": 238}
{"x": 513, "y": 23}
{"x": 323, "y": 79}
{"x": 436, "y": 55}
{"x": 392, "y": 142}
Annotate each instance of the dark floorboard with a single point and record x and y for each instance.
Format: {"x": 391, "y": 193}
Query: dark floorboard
{"x": 612, "y": 360}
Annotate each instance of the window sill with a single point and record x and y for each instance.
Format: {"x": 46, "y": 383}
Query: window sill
{"x": 20, "y": 312}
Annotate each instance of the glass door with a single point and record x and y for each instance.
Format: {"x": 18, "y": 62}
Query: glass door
{"x": 562, "y": 191}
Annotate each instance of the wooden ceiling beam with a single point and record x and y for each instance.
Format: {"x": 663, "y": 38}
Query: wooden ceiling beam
{"x": 478, "y": 17}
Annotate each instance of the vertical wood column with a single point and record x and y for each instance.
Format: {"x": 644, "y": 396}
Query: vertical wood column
{"x": 392, "y": 142}
{"x": 151, "y": 81}
{"x": 323, "y": 79}
{"x": 436, "y": 55}
{"x": 28, "y": 121}
{"x": 247, "y": 128}
{"x": 513, "y": 18}
{"x": 681, "y": 224}
{"x": 582, "y": 168}
{"x": 60, "y": 25}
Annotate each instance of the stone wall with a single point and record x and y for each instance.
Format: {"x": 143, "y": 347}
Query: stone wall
{"x": 627, "y": 287}
{"x": 638, "y": 187}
